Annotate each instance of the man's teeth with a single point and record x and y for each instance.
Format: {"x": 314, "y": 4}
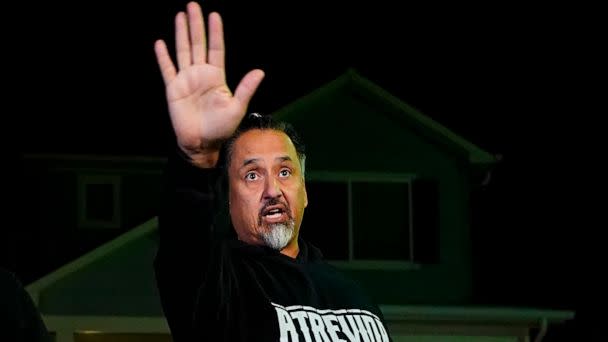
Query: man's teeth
{"x": 274, "y": 213}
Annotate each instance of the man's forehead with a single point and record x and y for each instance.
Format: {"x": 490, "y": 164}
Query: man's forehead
{"x": 258, "y": 143}
{"x": 258, "y": 140}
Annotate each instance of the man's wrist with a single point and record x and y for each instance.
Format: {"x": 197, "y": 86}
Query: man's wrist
{"x": 206, "y": 159}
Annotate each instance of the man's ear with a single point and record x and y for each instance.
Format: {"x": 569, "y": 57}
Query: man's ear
{"x": 305, "y": 195}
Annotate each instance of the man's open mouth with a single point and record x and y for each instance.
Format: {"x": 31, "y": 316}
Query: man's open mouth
{"x": 275, "y": 213}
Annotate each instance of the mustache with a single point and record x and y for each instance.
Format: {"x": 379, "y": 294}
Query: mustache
{"x": 271, "y": 202}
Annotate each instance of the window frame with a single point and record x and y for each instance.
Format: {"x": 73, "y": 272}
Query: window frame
{"x": 371, "y": 177}
{"x": 99, "y": 179}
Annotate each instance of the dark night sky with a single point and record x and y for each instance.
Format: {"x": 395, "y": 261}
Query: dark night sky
{"x": 508, "y": 79}
{"x": 515, "y": 80}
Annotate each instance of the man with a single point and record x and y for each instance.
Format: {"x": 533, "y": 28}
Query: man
{"x": 250, "y": 278}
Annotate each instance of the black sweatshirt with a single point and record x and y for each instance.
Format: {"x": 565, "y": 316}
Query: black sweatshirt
{"x": 214, "y": 287}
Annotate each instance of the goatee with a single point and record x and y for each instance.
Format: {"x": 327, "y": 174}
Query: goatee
{"x": 278, "y": 235}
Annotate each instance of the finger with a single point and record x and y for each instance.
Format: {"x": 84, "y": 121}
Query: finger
{"x": 197, "y": 33}
{"x": 182, "y": 43}
{"x": 167, "y": 69}
{"x": 248, "y": 85}
{"x": 216, "y": 40}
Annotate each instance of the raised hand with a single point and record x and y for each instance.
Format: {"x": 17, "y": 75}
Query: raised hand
{"x": 203, "y": 110}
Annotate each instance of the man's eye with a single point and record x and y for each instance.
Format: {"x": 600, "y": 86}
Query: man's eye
{"x": 284, "y": 173}
{"x": 251, "y": 176}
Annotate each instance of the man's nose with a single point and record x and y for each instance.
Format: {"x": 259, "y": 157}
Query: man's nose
{"x": 272, "y": 188}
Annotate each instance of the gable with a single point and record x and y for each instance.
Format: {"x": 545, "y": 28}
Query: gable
{"x": 351, "y": 116}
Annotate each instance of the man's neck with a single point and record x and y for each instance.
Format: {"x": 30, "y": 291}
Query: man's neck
{"x": 292, "y": 249}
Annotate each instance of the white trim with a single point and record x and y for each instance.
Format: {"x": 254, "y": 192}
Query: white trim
{"x": 374, "y": 265}
{"x": 66, "y": 327}
{"x": 472, "y": 314}
{"x": 344, "y": 176}
{"x": 402, "y": 320}
{"x": 410, "y": 218}
{"x": 351, "y": 232}
{"x": 430, "y": 323}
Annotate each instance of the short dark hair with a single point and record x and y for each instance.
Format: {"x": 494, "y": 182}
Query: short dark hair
{"x": 263, "y": 122}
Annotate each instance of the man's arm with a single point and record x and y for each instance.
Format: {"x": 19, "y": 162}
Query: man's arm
{"x": 189, "y": 231}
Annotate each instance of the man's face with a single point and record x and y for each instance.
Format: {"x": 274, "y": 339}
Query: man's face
{"x": 267, "y": 191}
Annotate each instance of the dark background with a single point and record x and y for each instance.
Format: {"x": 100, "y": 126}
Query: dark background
{"x": 520, "y": 82}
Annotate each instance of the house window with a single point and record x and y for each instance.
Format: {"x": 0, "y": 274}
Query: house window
{"x": 326, "y": 217}
{"x": 381, "y": 220}
{"x": 99, "y": 201}
{"x": 372, "y": 217}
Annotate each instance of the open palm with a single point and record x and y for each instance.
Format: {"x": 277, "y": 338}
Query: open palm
{"x": 203, "y": 110}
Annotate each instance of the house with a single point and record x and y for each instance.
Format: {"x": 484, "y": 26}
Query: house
{"x": 389, "y": 204}
{"x": 396, "y": 186}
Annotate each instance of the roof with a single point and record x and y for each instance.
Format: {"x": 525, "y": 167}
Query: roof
{"x": 353, "y": 82}
{"x": 116, "y": 278}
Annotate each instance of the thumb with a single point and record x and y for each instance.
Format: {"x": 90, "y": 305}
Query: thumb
{"x": 248, "y": 85}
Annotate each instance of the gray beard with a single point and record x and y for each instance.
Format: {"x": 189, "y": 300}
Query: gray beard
{"x": 278, "y": 235}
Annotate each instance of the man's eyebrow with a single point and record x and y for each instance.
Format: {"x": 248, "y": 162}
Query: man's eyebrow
{"x": 250, "y": 161}
{"x": 255, "y": 160}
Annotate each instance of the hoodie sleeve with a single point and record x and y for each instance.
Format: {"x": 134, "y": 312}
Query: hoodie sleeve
{"x": 189, "y": 229}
